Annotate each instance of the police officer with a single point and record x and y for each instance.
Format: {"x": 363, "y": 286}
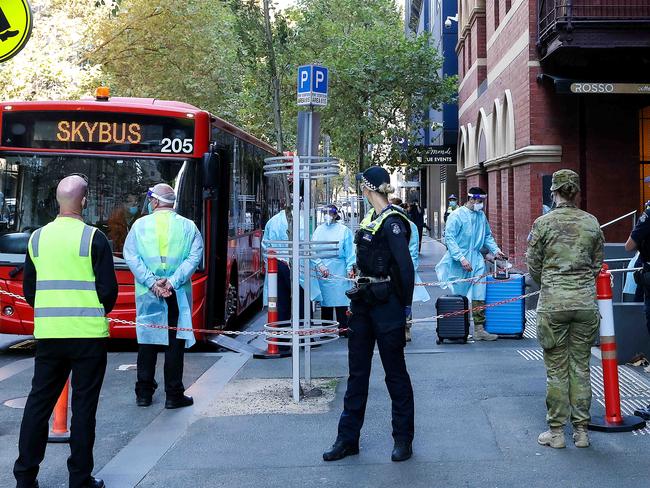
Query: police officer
{"x": 639, "y": 240}
{"x": 452, "y": 205}
{"x": 69, "y": 280}
{"x": 565, "y": 254}
{"x": 379, "y": 304}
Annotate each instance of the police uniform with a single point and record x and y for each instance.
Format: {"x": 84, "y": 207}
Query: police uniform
{"x": 378, "y": 315}
{"x": 641, "y": 236}
{"x": 69, "y": 280}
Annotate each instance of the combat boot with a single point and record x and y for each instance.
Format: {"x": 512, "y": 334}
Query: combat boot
{"x": 554, "y": 437}
{"x": 481, "y": 335}
{"x": 581, "y": 436}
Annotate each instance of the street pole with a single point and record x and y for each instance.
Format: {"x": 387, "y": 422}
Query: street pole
{"x": 307, "y": 239}
{"x": 295, "y": 282}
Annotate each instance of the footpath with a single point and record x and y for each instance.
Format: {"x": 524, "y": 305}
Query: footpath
{"x": 479, "y": 409}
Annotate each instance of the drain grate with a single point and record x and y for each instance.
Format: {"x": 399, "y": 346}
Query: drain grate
{"x": 531, "y": 354}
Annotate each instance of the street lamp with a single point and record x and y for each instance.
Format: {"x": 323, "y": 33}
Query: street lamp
{"x": 449, "y": 19}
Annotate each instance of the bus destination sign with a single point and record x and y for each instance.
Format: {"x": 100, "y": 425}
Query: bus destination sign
{"x": 98, "y": 131}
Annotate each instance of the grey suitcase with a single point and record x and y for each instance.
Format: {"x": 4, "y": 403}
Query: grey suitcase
{"x": 455, "y": 327}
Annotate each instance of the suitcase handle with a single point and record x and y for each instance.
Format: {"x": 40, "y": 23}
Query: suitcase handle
{"x": 504, "y": 272}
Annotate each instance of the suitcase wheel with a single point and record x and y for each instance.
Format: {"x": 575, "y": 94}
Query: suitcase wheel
{"x": 519, "y": 336}
{"x": 438, "y": 341}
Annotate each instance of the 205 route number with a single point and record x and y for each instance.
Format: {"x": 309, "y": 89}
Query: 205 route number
{"x": 168, "y": 145}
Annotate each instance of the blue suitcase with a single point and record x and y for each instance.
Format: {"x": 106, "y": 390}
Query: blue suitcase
{"x": 508, "y": 319}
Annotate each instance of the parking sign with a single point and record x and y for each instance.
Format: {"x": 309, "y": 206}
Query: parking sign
{"x": 312, "y": 85}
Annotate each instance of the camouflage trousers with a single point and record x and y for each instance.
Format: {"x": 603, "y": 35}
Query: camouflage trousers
{"x": 478, "y": 315}
{"x": 566, "y": 338}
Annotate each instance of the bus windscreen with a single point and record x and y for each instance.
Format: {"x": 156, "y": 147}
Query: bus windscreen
{"x": 97, "y": 132}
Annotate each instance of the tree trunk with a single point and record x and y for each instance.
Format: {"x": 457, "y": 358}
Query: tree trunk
{"x": 277, "y": 115}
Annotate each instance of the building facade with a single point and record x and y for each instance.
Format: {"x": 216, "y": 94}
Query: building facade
{"x": 550, "y": 84}
{"x": 435, "y": 182}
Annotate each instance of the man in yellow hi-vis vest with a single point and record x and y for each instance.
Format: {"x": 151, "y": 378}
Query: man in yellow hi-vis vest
{"x": 69, "y": 279}
{"x": 163, "y": 250}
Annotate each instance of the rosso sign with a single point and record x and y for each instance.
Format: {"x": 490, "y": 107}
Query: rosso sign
{"x": 592, "y": 88}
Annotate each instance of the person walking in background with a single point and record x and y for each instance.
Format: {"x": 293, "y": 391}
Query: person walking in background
{"x": 466, "y": 233}
{"x": 416, "y": 216}
{"x": 333, "y": 289}
{"x": 566, "y": 242}
{"x": 451, "y": 206}
{"x": 163, "y": 249}
{"x": 69, "y": 280}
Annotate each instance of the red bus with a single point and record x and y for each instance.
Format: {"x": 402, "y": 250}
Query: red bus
{"x": 125, "y": 146}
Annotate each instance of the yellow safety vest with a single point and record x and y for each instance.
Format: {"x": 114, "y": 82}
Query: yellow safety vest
{"x": 373, "y": 226}
{"x": 66, "y": 303}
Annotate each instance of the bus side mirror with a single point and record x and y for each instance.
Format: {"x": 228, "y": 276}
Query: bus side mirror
{"x": 210, "y": 170}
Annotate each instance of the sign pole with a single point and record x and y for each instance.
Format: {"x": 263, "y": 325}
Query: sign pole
{"x": 295, "y": 281}
{"x": 307, "y": 285}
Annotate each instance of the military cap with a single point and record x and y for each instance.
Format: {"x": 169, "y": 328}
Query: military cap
{"x": 565, "y": 177}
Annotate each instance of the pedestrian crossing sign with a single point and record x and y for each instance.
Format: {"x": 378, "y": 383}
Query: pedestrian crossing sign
{"x": 15, "y": 27}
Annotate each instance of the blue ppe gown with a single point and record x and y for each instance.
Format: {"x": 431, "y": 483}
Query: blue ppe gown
{"x": 333, "y": 290}
{"x": 420, "y": 293}
{"x": 179, "y": 269}
{"x": 277, "y": 229}
{"x": 466, "y": 233}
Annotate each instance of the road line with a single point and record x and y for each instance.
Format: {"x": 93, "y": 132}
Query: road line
{"x": 139, "y": 456}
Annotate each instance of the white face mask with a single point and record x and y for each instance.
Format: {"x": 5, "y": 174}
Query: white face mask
{"x": 478, "y": 206}
{"x": 328, "y": 219}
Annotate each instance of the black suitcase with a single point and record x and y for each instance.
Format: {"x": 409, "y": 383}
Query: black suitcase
{"x": 455, "y": 327}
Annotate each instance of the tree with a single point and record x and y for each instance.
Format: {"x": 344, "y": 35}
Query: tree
{"x": 53, "y": 65}
{"x": 380, "y": 80}
{"x": 173, "y": 49}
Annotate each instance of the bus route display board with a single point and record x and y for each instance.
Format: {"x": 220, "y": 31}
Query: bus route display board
{"x": 97, "y": 132}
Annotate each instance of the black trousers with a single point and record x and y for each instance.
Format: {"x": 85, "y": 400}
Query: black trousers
{"x": 174, "y": 356}
{"x": 385, "y": 325}
{"x": 55, "y": 360}
{"x": 284, "y": 293}
{"x": 327, "y": 313}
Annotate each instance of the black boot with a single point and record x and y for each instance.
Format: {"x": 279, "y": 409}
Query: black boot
{"x": 180, "y": 402}
{"x": 340, "y": 450}
{"x": 402, "y": 451}
{"x": 143, "y": 401}
{"x": 94, "y": 483}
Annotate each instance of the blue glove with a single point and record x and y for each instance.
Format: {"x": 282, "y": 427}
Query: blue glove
{"x": 407, "y": 311}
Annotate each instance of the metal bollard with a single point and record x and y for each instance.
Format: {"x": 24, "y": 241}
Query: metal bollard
{"x": 613, "y": 420}
{"x": 272, "y": 271}
{"x": 59, "y": 432}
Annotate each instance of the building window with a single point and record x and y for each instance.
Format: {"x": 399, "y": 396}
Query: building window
{"x": 644, "y": 153}
{"x": 497, "y": 4}
{"x": 508, "y": 5}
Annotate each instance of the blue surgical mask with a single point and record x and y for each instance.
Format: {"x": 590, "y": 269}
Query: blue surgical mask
{"x": 150, "y": 207}
{"x": 133, "y": 210}
{"x": 453, "y": 204}
{"x": 328, "y": 219}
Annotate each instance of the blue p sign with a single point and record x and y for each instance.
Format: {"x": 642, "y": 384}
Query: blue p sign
{"x": 304, "y": 82}
{"x": 320, "y": 80}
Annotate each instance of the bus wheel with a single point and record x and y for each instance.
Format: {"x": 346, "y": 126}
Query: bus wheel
{"x": 231, "y": 305}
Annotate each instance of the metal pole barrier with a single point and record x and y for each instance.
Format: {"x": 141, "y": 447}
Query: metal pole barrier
{"x": 306, "y": 239}
{"x": 613, "y": 420}
{"x": 295, "y": 281}
{"x": 272, "y": 271}
{"x": 59, "y": 432}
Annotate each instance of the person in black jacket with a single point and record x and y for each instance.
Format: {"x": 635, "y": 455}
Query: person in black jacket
{"x": 417, "y": 217}
{"x": 380, "y": 304}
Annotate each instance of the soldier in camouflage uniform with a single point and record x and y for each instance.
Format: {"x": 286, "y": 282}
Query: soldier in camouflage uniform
{"x": 565, "y": 254}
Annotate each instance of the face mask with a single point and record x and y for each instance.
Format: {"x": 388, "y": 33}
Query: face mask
{"x": 478, "y": 206}
{"x": 150, "y": 207}
{"x": 453, "y": 204}
{"x": 133, "y": 210}
{"x": 328, "y": 219}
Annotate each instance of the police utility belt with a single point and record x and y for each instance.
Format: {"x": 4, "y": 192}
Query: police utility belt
{"x": 370, "y": 290}
{"x": 642, "y": 276}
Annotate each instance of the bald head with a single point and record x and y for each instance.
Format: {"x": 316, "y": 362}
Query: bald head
{"x": 70, "y": 194}
{"x": 164, "y": 192}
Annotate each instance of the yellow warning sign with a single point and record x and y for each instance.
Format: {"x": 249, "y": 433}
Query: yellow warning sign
{"x": 15, "y": 27}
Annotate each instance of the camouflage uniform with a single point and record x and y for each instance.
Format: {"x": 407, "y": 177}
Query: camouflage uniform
{"x": 565, "y": 254}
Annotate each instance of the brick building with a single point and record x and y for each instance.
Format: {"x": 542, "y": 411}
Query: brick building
{"x": 550, "y": 84}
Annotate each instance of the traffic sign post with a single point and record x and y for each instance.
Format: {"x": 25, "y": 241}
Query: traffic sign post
{"x": 313, "y": 83}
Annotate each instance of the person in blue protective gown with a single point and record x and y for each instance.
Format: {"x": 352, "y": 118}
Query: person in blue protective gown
{"x": 333, "y": 271}
{"x": 277, "y": 229}
{"x": 420, "y": 294}
{"x": 466, "y": 233}
{"x": 163, "y": 250}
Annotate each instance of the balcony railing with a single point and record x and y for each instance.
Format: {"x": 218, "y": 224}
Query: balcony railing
{"x": 556, "y": 15}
